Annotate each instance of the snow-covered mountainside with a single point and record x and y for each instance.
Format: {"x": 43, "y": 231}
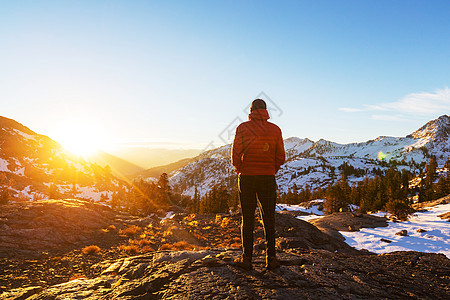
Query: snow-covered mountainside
{"x": 317, "y": 164}
{"x": 33, "y": 166}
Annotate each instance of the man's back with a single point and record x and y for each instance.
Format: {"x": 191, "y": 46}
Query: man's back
{"x": 258, "y": 146}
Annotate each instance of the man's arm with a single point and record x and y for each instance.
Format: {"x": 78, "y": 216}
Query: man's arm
{"x": 280, "y": 156}
{"x": 237, "y": 150}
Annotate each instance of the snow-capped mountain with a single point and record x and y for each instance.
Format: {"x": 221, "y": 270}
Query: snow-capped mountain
{"x": 33, "y": 166}
{"x": 317, "y": 164}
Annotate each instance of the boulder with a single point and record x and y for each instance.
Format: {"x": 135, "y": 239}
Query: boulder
{"x": 402, "y": 233}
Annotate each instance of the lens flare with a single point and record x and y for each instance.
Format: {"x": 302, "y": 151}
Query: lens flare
{"x": 381, "y": 155}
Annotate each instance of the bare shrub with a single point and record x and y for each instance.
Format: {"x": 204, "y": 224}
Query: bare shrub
{"x": 90, "y": 250}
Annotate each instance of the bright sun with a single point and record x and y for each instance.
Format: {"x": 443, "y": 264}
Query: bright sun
{"x": 81, "y": 145}
{"x": 81, "y": 138}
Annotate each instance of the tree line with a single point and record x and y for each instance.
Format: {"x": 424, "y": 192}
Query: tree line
{"x": 391, "y": 190}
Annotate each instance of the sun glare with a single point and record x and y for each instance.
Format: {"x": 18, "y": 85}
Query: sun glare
{"x": 81, "y": 138}
{"x": 83, "y": 146}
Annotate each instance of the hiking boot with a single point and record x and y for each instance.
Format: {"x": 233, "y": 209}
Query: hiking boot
{"x": 244, "y": 263}
{"x": 272, "y": 263}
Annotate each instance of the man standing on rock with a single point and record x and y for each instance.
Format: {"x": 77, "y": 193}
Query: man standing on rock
{"x": 258, "y": 153}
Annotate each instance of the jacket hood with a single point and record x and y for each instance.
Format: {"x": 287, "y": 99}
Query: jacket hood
{"x": 259, "y": 114}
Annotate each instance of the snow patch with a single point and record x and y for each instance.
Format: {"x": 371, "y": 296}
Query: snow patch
{"x": 312, "y": 209}
{"x": 436, "y": 239}
{"x": 4, "y": 165}
{"x": 25, "y": 135}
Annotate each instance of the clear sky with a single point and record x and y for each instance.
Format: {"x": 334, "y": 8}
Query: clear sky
{"x": 180, "y": 73}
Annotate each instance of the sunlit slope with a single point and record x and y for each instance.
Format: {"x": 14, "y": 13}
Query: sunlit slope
{"x": 33, "y": 166}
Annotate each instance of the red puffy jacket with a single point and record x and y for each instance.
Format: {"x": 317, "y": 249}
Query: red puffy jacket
{"x": 258, "y": 147}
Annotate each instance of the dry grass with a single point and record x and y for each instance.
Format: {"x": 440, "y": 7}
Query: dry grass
{"x": 132, "y": 249}
{"x": 130, "y": 231}
{"x": 225, "y": 222}
{"x": 235, "y": 245}
{"x": 190, "y": 217}
{"x": 90, "y": 250}
{"x": 193, "y": 223}
{"x": 141, "y": 242}
{"x": 146, "y": 249}
{"x": 181, "y": 245}
{"x": 137, "y": 246}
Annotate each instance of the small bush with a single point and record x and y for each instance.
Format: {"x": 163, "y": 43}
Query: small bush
{"x": 166, "y": 247}
{"x": 399, "y": 208}
{"x": 90, "y": 250}
{"x": 181, "y": 245}
{"x": 130, "y": 231}
{"x": 146, "y": 249}
{"x": 133, "y": 249}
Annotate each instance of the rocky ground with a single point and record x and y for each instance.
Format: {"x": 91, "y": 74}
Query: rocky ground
{"x": 44, "y": 255}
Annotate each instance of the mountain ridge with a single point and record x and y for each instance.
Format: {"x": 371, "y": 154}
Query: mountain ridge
{"x": 316, "y": 163}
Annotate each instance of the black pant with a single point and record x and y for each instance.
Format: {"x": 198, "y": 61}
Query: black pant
{"x": 263, "y": 188}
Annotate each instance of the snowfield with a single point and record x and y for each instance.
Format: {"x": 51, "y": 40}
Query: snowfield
{"x": 436, "y": 239}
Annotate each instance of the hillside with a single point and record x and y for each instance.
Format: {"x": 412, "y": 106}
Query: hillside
{"x": 317, "y": 164}
{"x": 148, "y": 158}
{"x": 119, "y": 167}
{"x": 155, "y": 172}
{"x": 33, "y": 166}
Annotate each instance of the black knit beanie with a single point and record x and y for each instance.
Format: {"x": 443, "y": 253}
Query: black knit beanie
{"x": 258, "y": 104}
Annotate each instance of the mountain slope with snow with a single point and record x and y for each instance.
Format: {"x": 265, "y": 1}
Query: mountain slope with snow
{"x": 316, "y": 164}
{"x": 33, "y": 166}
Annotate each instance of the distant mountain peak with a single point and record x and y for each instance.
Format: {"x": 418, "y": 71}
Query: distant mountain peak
{"x": 436, "y": 129}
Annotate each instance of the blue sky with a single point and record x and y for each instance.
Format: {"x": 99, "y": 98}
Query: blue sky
{"x": 179, "y": 73}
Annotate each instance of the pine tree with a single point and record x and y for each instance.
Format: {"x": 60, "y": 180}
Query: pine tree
{"x": 399, "y": 208}
{"x": 338, "y": 196}
{"x": 194, "y": 206}
{"x": 115, "y": 201}
{"x": 447, "y": 164}
{"x": 440, "y": 189}
{"x": 430, "y": 171}
{"x": 163, "y": 182}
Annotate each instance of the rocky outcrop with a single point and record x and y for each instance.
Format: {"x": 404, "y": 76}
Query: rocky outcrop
{"x": 421, "y": 205}
{"x": 209, "y": 274}
{"x": 347, "y": 221}
{"x": 295, "y": 233}
{"x": 50, "y": 226}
